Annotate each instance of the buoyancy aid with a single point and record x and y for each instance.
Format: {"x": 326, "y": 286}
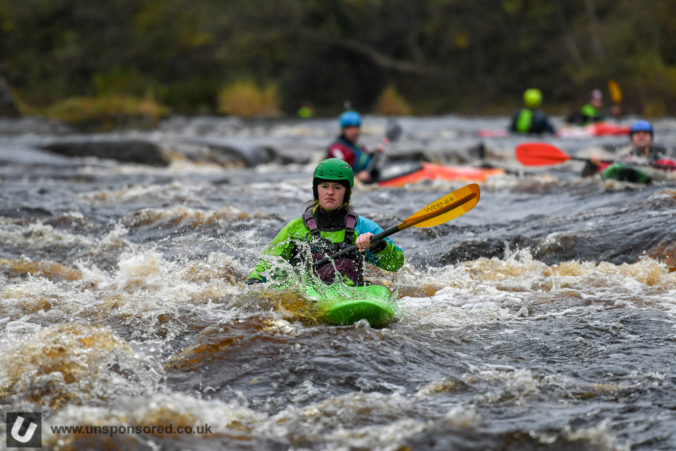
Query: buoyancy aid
{"x": 524, "y": 120}
{"x": 529, "y": 120}
{"x": 350, "y": 265}
{"x": 354, "y": 154}
{"x": 651, "y": 153}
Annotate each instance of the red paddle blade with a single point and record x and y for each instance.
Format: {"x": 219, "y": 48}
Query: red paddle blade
{"x": 540, "y": 154}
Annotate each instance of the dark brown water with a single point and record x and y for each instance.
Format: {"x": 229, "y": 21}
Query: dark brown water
{"x": 542, "y": 319}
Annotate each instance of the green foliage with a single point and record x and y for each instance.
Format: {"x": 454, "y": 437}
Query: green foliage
{"x": 245, "y": 99}
{"x": 107, "y": 112}
{"x": 443, "y": 55}
{"x": 391, "y": 103}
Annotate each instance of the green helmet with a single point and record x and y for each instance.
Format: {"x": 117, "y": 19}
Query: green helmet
{"x": 337, "y": 170}
{"x": 532, "y": 98}
{"x": 334, "y": 169}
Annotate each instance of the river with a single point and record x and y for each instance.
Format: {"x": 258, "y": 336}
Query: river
{"x": 544, "y": 318}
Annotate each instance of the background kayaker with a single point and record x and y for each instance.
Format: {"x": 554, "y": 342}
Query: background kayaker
{"x": 643, "y": 147}
{"x": 642, "y": 150}
{"x": 306, "y": 110}
{"x": 591, "y": 112}
{"x": 328, "y": 225}
{"x": 347, "y": 148}
{"x": 530, "y": 118}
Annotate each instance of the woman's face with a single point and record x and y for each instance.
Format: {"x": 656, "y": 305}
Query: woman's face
{"x": 331, "y": 195}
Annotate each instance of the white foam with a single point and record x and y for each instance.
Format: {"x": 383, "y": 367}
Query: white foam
{"x": 486, "y": 290}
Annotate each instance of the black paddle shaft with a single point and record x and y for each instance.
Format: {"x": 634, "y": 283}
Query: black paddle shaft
{"x": 392, "y": 134}
{"x": 374, "y": 239}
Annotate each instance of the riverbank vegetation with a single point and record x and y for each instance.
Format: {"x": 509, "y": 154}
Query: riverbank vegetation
{"x": 77, "y": 60}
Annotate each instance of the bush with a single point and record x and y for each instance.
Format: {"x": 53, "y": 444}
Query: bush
{"x": 246, "y": 99}
{"x": 391, "y": 103}
{"x": 107, "y": 111}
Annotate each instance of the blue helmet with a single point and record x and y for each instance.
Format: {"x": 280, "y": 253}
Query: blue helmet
{"x": 350, "y": 119}
{"x": 641, "y": 126}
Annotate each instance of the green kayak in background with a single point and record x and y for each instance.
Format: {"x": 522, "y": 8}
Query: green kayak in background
{"x": 625, "y": 173}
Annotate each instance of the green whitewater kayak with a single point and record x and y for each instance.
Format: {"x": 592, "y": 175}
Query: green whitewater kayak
{"x": 625, "y": 173}
{"x": 340, "y": 304}
{"x": 337, "y": 303}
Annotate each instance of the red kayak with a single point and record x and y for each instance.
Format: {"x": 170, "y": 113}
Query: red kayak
{"x": 596, "y": 129}
{"x": 430, "y": 171}
{"x": 573, "y": 131}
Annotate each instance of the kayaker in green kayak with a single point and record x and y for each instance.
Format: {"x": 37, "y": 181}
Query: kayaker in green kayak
{"x": 530, "y": 118}
{"x": 642, "y": 151}
{"x": 328, "y": 225}
{"x": 346, "y": 147}
{"x": 591, "y": 112}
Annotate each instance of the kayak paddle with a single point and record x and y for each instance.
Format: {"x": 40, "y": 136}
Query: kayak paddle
{"x": 615, "y": 91}
{"x": 392, "y": 133}
{"x": 616, "y": 95}
{"x": 544, "y": 154}
{"x": 438, "y": 212}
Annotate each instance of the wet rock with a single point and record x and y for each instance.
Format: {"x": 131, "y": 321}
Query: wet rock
{"x": 488, "y": 248}
{"x": 127, "y": 151}
{"x": 248, "y": 156}
{"x": 24, "y": 212}
{"x": 233, "y": 152}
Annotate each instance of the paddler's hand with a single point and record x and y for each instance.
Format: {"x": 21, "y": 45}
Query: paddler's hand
{"x": 364, "y": 241}
{"x": 363, "y": 176}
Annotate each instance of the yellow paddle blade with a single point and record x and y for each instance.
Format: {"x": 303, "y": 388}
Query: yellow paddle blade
{"x": 615, "y": 91}
{"x": 443, "y": 210}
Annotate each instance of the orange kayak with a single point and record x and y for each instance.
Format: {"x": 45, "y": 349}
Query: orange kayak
{"x": 430, "y": 171}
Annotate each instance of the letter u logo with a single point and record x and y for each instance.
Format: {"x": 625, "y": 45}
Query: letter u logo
{"x": 27, "y": 435}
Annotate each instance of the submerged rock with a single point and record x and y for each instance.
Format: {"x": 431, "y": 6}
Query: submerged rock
{"x": 127, "y": 151}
